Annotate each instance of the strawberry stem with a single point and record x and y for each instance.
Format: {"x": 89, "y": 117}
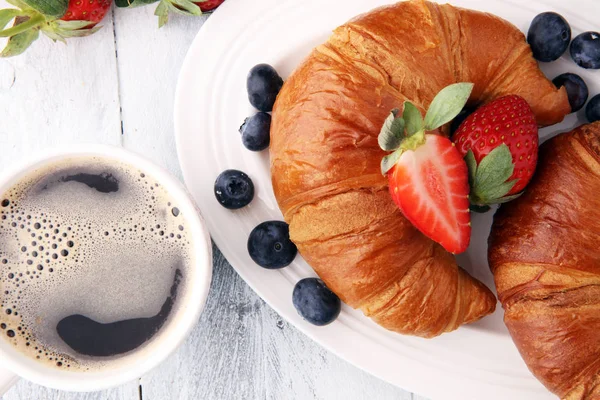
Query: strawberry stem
{"x": 33, "y": 21}
{"x": 414, "y": 141}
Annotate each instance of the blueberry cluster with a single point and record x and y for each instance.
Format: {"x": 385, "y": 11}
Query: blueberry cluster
{"x": 549, "y": 37}
{"x": 269, "y": 243}
{"x": 263, "y": 84}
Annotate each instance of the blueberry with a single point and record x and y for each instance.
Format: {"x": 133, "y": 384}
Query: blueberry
{"x": 256, "y": 131}
{"x": 263, "y": 85}
{"x": 577, "y": 90}
{"x": 459, "y": 119}
{"x": 592, "y": 110}
{"x": 585, "y": 50}
{"x": 315, "y": 302}
{"x": 234, "y": 189}
{"x": 270, "y": 246}
{"x": 549, "y": 36}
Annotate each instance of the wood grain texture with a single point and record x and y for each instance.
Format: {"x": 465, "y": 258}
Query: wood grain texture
{"x": 149, "y": 60}
{"x": 24, "y": 390}
{"x": 242, "y": 349}
{"x": 118, "y": 87}
{"x": 57, "y": 94}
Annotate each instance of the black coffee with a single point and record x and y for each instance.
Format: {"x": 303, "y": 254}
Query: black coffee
{"x": 93, "y": 262}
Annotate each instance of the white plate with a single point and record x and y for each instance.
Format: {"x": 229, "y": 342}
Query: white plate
{"x": 477, "y": 361}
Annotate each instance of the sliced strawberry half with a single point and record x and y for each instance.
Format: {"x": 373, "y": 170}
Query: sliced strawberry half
{"x": 430, "y": 185}
{"x": 428, "y": 178}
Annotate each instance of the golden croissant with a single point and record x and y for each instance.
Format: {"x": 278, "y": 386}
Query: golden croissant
{"x": 545, "y": 255}
{"x": 325, "y": 160}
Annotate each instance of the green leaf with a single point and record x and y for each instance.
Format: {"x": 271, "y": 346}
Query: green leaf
{"x": 392, "y": 132}
{"x": 19, "y": 43}
{"x": 49, "y": 8}
{"x": 80, "y": 32}
{"x": 493, "y": 195}
{"x": 70, "y": 25}
{"x": 53, "y": 35}
{"x": 185, "y": 7}
{"x": 162, "y": 12}
{"x": 7, "y": 15}
{"x": 22, "y": 24}
{"x": 390, "y": 160}
{"x": 413, "y": 120}
{"x": 493, "y": 170}
{"x": 133, "y": 3}
{"x": 472, "y": 166}
{"x": 506, "y": 199}
{"x": 61, "y": 30}
{"x": 447, "y": 104}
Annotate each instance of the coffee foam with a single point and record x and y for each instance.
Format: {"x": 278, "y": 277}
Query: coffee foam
{"x": 68, "y": 247}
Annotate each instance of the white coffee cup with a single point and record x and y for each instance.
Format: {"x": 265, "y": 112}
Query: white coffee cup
{"x": 14, "y": 364}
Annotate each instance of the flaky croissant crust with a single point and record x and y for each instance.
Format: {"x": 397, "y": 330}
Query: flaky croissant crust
{"x": 545, "y": 255}
{"x": 325, "y": 158}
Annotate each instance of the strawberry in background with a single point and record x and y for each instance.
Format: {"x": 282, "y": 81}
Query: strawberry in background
{"x": 499, "y": 142}
{"x": 57, "y": 19}
{"x": 165, "y": 7}
{"x": 427, "y": 176}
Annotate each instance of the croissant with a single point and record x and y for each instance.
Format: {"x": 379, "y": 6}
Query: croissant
{"x": 545, "y": 255}
{"x": 325, "y": 160}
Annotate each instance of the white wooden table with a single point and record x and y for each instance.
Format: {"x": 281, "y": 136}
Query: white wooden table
{"x": 117, "y": 87}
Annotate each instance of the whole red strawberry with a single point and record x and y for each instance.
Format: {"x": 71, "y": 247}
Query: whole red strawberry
{"x": 57, "y": 19}
{"x": 186, "y": 7}
{"x": 428, "y": 178}
{"x": 500, "y": 144}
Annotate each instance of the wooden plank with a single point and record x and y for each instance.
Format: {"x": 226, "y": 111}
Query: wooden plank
{"x": 242, "y": 349}
{"x": 56, "y": 94}
{"x": 28, "y": 391}
{"x": 149, "y": 61}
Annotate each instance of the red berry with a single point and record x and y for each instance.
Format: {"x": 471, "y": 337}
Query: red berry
{"x": 209, "y": 5}
{"x": 430, "y": 185}
{"x": 506, "y": 120}
{"x": 87, "y": 10}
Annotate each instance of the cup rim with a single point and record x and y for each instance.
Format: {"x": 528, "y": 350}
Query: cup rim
{"x": 187, "y": 318}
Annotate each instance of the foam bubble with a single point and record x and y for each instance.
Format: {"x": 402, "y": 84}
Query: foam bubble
{"x": 87, "y": 237}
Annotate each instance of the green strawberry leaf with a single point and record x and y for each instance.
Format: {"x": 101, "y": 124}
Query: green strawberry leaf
{"x": 17, "y": 44}
{"x": 7, "y": 15}
{"x": 494, "y": 170}
{"x": 390, "y": 160}
{"x": 489, "y": 180}
{"x": 49, "y": 8}
{"x": 185, "y": 7}
{"x": 447, "y": 104}
{"x": 70, "y": 25}
{"x": 413, "y": 120}
{"x": 493, "y": 194}
{"x": 506, "y": 199}
{"x": 472, "y": 166}
{"x": 59, "y": 30}
{"x": 392, "y": 132}
{"x": 23, "y": 23}
{"x": 162, "y": 12}
{"x": 133, "y": 3}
